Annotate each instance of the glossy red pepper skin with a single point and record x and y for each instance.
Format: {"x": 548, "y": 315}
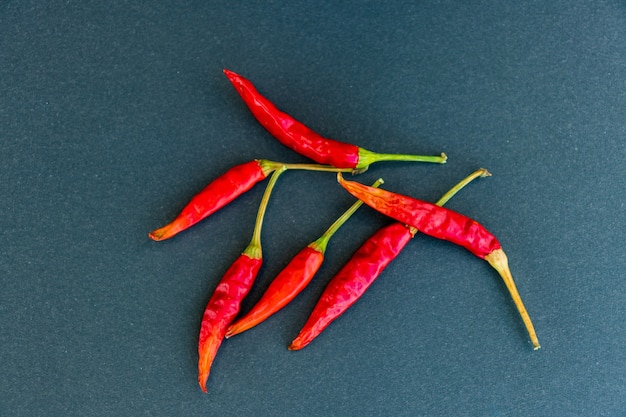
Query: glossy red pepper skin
{"x": 351, "y": 282}
{"x": 221, "y": 191}
{"x": 428, "y": 218}
{"x": 291, "y": 132}
{"x": 284, "y": 288}
{"x": 221, "y": 310}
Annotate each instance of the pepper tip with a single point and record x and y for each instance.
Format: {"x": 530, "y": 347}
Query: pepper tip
{"x": 167, "y": 231}
{"x": 231, "y": 75}
{"x": 202, "y": 379}
{"x": 155, "y": 235}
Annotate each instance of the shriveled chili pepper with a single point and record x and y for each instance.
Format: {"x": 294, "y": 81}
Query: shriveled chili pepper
{"x": 224, "y": 304}
{"x": 224, "y": 189}
{"x": 363, "y": 268}
{"x": 305, "y": 141}
{"x": 443, "y": 223}
{"x": 293, "y": 278}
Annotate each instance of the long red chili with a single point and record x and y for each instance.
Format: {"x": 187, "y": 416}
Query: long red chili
{"x": 224, "y": 189}
{"x": 222, "y": 308}
{"x": 448, "y": 225}
{"x": 363, "y": 268}
{"x": 293, "y": 278}
{"x": 305, "y": 141}
{"x": 221, "y": 191}
{"x": 224, "y": 304}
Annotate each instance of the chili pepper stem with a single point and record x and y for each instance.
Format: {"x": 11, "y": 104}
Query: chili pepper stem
{"x": 499, "y": 261}
{"x": 481, "y": 172}
{"x": 368, "y": 157}
{"x": 321, "y": 243}
{"x": 254, "y": 250}
{"x": 271, "y": 165}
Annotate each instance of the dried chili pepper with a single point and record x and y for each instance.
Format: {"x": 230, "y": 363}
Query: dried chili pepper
{"x": 224, "y": 189}
{"x": 293, "y": 278}
{"x": 363, "y": 268}
{"x": 448, "y": 225}
{"x": 305, "y": 141}
{"x": 224, "y": 304}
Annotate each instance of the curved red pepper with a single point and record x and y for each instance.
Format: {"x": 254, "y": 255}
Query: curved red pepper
{"x": 292, "y": 133}
{"x": 221, "y": 310}
{"x": 347, "y": 286}
{"x": 305, "y": 141}
{"x": 224, "y": 304}
{"x": 444, "y": 224}
{"x": 221, "y": 191}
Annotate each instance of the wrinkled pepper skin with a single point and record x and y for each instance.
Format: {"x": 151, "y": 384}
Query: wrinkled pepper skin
{"x": 428, "y": 218}
{"x": 284, "y": 288}
{"x": 292, "y": 133}
{"x": 221, "y": 191}
{"x": 351, "y": 282}
{"x": 221, "y": 310}
{"x": 442, "y": 223}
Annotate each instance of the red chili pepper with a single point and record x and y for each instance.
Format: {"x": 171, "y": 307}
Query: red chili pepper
{"x": 353, "y": 279}
{"x": 224, "y": 304}
{"x": 222, "y": 308}
{"x": 305, "y": 141}
{"x": 444, "y": 224}
{"x": 224, "y": 189}
{"x": 293, "y": 278}
{"x": 287, "y": 284}
{"x": 367, "y": 263}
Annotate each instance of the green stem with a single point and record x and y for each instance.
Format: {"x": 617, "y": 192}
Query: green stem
{"x": 368, "y": 157}
{"x": 481, "y": 172}
{"x": 254, "y": 248}
{"x": 316, "y": 167}
{"x": 269, "y": 166}
{"x": 321, "y": 243}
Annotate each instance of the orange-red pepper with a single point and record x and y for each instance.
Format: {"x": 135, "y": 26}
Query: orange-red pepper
{"x": 284, "y": 288}
{"x": 446, "y": 224}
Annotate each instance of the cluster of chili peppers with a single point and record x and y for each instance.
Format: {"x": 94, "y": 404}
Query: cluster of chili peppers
{"x": 220, "y": 319}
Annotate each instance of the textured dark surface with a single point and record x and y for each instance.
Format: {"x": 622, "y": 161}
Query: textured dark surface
{"x": 113, "y": 116}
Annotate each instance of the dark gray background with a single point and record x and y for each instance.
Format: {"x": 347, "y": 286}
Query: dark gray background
{"x": 113, "y": 115}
